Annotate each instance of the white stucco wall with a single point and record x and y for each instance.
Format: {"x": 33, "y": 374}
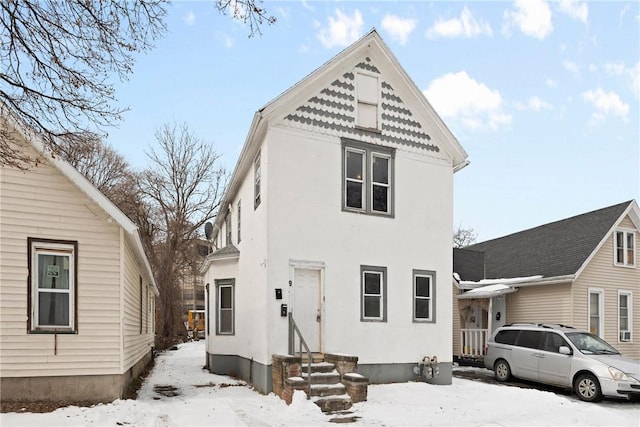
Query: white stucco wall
{"x": 306, "y": 222}
{"x": 301, "y": 218}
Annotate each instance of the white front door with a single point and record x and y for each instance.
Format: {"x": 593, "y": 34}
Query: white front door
{"x": 307, "y": 306}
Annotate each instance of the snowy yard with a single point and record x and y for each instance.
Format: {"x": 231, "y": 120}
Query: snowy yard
{"x": 203, "y": 399}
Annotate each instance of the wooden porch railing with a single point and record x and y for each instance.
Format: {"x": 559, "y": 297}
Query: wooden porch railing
{"x": 293, "y": 331}
{"x": 473, "y": 342}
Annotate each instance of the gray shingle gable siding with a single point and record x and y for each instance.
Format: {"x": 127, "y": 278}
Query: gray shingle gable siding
{"x": 555, "y": 249}
{"x": 332, "y": 111}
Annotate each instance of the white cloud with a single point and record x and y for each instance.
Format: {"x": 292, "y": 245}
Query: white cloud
{"x": 532, "y": 17}
{"x": 398, "y": 28}
{"x": 571, "y": 67}
{"x": 225, "y": 38}
{"x": 632, "y": 74}
{"x": 189, "y": 18}
{"x": 342, "y": 30}
{"x": 306, "y": 5}
{"x": 614, "y": 68}
{"x": 575, "y": 9}
{"x": 605, "y": 104}
{"x": 285, "y": 13}
{"x": 550, "y": 82}
{"x": 536, "y": 104}
{"x": 466, "y": 26}
{"x": 460, "y": 97}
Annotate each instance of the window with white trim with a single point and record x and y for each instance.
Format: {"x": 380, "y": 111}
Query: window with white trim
{"x": 368, "y": 107}
{"x": 225, "y": 307}
{"x": 625, "y": 316}
{"x": 373, "y": 291}
{"x": 596, "y": 314}
{"x": 53, "y": 277}
{"x": 257, "y": 178}
{"x": 625, "y": 248}
{"x": 367, "y": 178}
{"x": 424, "y": 296}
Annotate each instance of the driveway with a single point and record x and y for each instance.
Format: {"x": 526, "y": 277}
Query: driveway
{"x": 486, "y": 376}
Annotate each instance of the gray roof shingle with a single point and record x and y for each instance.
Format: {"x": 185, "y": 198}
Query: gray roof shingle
{"x": 555, "y": 249}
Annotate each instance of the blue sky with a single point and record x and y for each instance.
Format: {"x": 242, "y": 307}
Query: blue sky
{"x": 543, "y": 96}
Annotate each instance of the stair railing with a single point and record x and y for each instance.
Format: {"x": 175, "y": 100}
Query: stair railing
{"x": 293, "y": 331}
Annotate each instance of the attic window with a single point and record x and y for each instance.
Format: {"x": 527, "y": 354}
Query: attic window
{"x": 625, "y": 248}
{"x": 368, "y": 95}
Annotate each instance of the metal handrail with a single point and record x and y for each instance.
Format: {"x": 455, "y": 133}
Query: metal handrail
{"x": 293, "y": 328}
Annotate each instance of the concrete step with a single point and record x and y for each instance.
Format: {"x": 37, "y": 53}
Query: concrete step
{"x": 323, "y": 390}
{"x": 332, "y": 377}
{"x": 319, "y": 367}
{"x": 333, "y": 403}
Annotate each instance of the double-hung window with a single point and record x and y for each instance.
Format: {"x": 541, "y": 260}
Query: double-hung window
{"x": 373, "y": 287}
{"x": 367, "y": 178}
{"x": 596, "y": 305}
{"x": 424, "y": 296}
{"x": 53, "y": 277}
{"x": 624, "y": 315}
{"x": 225, "y": 307}
{"x": 625, "y": 248}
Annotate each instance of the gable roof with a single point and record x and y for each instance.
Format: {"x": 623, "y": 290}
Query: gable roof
{"x": 85, "y": 186}
{"x": 303, "y": 92}
{"x": 560, "y": 248}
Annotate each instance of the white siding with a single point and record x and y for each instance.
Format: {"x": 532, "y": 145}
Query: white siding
{"x": 138, "y": 339}
{"x": 42, "y": 203}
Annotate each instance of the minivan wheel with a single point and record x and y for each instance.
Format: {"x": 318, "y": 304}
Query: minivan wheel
{"x": 587, "y": 388}
{"x": 502, "y": 370}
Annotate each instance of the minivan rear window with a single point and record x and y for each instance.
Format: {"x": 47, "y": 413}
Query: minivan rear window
{"x": 506, "y": 336}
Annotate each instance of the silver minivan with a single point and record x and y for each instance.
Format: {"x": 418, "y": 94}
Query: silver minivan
{"x": 562, "y": 356}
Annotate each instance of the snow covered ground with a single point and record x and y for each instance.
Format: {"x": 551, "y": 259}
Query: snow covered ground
{"x": 203, "y": 399}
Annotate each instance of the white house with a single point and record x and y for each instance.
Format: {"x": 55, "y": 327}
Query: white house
{"x": 77, "y": 296}
{"x": 339, "y": 213}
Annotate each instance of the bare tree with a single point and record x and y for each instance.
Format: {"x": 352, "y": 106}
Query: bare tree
{"x": 247, "y": 11}
{"x": 59, "y": 60}
{"x": 59, "y": 57}
{"x": 464, "y": 237}
{"x": 98, "y": 162}
{"x": 183, "y": 188}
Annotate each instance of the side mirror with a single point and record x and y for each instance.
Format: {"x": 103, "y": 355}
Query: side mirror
{"x": 564, "y": 350}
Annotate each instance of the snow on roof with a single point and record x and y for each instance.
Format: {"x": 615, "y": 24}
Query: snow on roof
{"x": 488, "y": 291}
{"x": 506, "y": 281}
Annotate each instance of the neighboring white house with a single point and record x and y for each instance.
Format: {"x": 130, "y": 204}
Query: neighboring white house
{"x": 77, "y": 296}
{"x": 339, "y": 213}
